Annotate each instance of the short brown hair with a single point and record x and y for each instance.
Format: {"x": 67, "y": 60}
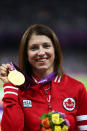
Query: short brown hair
{"x": 39, "y": 29}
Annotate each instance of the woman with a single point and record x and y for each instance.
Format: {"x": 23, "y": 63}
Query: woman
{"x": 40, "y": 57}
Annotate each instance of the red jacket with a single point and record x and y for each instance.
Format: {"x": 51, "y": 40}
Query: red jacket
{"x": 22, "y": 109}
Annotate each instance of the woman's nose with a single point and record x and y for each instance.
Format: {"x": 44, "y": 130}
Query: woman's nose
{"x": 41, "y": 51}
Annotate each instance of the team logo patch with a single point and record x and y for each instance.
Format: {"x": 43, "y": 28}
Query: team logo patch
{"x": 69, "y": 104}
{"x": 27, "y": 103}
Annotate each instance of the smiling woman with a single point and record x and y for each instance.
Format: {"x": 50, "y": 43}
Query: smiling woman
{"x": 41, "y": 40}
{"x": 47, "y": 89}
{"x": 41, "y": 55}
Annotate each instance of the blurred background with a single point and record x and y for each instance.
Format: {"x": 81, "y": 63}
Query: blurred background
{"x": 67, "y": 18}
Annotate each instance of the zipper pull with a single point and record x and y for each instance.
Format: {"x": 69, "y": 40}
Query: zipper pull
{"x": 49, "y": 104}
{"x": 49, "y": 98}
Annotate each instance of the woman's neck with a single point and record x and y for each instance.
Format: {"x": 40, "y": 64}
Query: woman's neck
{"x": 42, "y": 74}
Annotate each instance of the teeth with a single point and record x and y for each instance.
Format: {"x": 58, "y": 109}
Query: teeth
{"x": 41, "y": 60}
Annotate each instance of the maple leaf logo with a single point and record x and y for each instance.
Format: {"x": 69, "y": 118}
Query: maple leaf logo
{"x": 69, "y": 103}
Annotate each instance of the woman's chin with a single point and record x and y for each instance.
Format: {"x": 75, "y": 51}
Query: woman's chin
{"x": 42, "y": 69}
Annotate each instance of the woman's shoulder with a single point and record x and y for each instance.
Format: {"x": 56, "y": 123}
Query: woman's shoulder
{"x": 73, "y": 81}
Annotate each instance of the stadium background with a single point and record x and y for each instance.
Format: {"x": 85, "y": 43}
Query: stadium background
{"x": 67, "y": 18}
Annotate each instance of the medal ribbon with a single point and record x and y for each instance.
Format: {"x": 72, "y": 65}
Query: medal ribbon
{"x": 29, "y": 81}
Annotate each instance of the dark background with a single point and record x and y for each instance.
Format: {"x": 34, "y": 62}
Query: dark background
{"x": 68, "y": 19}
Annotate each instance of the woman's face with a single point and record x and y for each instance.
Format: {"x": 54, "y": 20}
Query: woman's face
{"x": 41, "y": 53}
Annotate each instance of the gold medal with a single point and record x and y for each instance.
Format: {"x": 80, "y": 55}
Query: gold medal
{"x": 16, "y": 77}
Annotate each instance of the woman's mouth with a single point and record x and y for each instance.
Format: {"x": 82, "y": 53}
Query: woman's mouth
{"x": 42, "y": 59}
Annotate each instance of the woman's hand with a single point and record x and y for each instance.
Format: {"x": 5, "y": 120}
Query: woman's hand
{"x": 4, "y": 70}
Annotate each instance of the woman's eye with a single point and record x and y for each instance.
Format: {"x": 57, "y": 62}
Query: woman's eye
{"x": 33, "y": 48}
{"x": 46, "y": 45}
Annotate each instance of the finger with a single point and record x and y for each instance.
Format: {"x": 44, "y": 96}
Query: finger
{"x": 3, "y": 73}
{"x": 7, "y": 66}
{"x": 4, "y": 79}
{"x": 4, "y": 69}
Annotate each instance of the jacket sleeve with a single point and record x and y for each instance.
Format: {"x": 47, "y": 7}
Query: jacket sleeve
{"x": 13, "y": 117}
{"x": 82, "y": 110}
